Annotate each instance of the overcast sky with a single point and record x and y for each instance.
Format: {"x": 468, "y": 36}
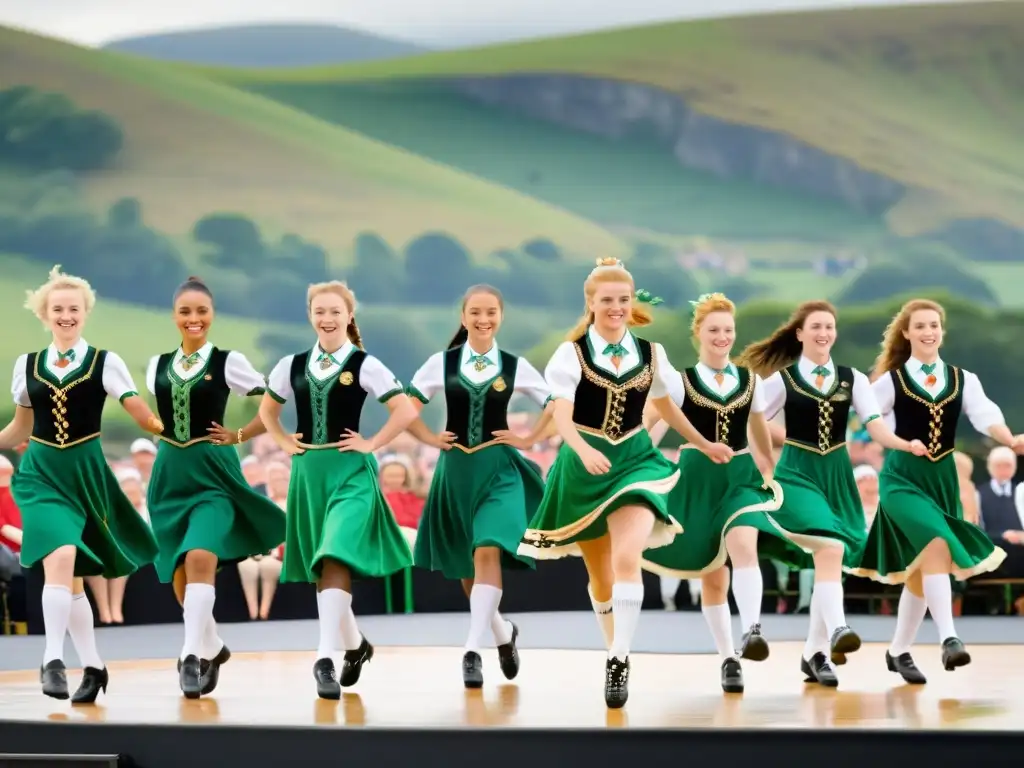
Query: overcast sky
{"x": 438, "y": 23}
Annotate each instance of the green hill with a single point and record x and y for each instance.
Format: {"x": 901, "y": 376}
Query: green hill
{"x": 930, "y": 96}
{"x": 194, "y": 146}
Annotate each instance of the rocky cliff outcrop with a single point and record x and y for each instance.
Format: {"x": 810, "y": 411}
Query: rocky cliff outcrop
{"x": 619, "y": 110}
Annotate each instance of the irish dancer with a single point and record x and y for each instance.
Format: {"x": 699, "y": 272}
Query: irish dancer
{"x": 606, "y": 493}
{"x": 204, "y": 514}
{"x": 919, "y": 537}
{"x": 483, "y": 490}
{"x": 339, "y": 526}
{"x": 76, "y": 519}
{"x": 722, "y": 507}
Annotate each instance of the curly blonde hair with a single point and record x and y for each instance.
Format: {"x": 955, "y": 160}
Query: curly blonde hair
{"x": 37, "y": 301}
{"x": 705, "y": 305}
{"x": 782, "y": 348}
{"x": 338, "y": 288}
{"x": 895, "y": 345}
{"x": 608, "y": 271}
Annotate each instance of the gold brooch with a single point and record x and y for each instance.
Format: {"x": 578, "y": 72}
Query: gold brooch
{"x": 499, "y": 384}
{"x": 345, "y": 378}
{"x": 208, "y": 377}
{"x": 840, "y": 397}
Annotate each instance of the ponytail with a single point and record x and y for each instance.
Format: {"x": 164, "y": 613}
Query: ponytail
{"x": 354, "y": 335}
{"x": 461, "y": 337}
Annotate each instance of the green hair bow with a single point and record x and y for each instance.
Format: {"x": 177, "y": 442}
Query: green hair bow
{"x": 644, "y": 296}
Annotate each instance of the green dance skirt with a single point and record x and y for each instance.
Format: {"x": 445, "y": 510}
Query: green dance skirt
{"x": 576, "y": 504}
{"x": 919, "y": 501}
{"x": 481, "y": 498}
{"x": 336, "y": 511}
{"x": 821, "y": 507}
{"x": 199, "y": 500}
{"x": 711, "y": 500}
{"x": 69, "y": 496}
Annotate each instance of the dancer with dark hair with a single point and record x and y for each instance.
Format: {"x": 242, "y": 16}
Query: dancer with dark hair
{"x": 483, "y": 491}
{"x": 76, "y": 520}
{"x": 339, "y": 526}
{"x": 919, "y": 537}
{"x": 204, "y": 514}
{"x": 821, "y": 509}
{"x": 606, "y": 494}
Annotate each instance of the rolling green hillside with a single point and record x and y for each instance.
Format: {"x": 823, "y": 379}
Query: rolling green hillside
{"x": 194, "y": 146}
{"x": 931, "y": 96}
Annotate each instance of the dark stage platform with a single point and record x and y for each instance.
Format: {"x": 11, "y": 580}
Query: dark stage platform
{"x": 410, "y": 709}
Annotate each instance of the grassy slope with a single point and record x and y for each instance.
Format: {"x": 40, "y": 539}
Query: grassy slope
{"x": 581, "y": 173}
{"x": 194, "y": 146}
{"x": 931, "y": 96}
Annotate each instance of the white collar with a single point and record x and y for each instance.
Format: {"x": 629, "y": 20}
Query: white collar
{"x": 914, "y": 365}
{"x": 491, "y": 354}
{"x": 80, "y": 348}
{"x": 729, "y": 368}
{"x": 203, "y": 351}
{"x": 810, "y": 364}
{"x": 338, "y": 355}
{"x": 599, "y": 343}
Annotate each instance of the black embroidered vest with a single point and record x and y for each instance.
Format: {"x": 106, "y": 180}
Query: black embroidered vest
{"x": 188, "y": 407}
{"x": 718, "y": 420}
{"x": 325, "y": 409}
{"x": 815, "y": 421}
{"x": 67, "y": 413}
{"x": 609, "y": 405}
{"x": 477, "y": 411}
{"x": 919, "y": 418}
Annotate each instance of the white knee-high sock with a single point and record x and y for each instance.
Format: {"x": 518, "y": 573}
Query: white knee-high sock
{"x": 351, "y": 637}
{"x": 605, "y": 620}
{"x": 56, "y": 614}
{"x": 909, "y": 616}
{"x": 197, "y": 609}
{"x": 938, "y": 595}
{"x": 829, "y": 595}
{"x": 483, "y": 605}
{"x": 817, "y": 632}
{"x": 331, "y": 607}
{"x": 748, "y": 589}
{"x": 212, "y": 644}
{"x": 627, "y": 600}
{"x": 719, "y": 621}
{"x": 82, "y": 629}
{"x": 501, "y": 628}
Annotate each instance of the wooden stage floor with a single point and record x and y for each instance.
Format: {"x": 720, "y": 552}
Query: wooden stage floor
{"x": 421, "y": 687}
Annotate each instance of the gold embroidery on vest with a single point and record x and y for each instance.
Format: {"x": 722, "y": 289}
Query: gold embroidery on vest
{"x": 615, "y": 400}
{"x": 723, "y": 411}
{"x": 59, "y": 398}
{"x": 935, "y": 411}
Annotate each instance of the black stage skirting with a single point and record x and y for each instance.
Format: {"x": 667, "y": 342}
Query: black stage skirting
{"x": 172, "y": 746}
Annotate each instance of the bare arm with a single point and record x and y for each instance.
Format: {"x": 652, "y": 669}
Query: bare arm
{"x": 562, "y": 416}
{"x": 11, "y": 533}
{"x": 143, "y": 415}
{"x": 401, "y": 414}
{"x": 270, "y": 415}
{"x": 18, "y": 431}
{"x": 881, "y": 433}
{"x": 778, "y": 434}
{"x": 761, "y": 436}
{"x": 674, "y": 417}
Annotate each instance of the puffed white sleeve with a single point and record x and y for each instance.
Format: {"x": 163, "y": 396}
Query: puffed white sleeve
{"x": 279, "y": 383}
{"x": 530, "y": 383}
{"x": 19, "y": 384}
{"x": 151, "y": 374}
{"x": 864, "y": 402}
{"x": 758, "y": 404}
{"x": 664, "y": 373}
{"x": 117, "y": 379}
{"x": 429, "y": 379}
{"x": 378, "y": 380}
{"x": 673, "y": 380}
{"x": 773, "y": 394}
{"x": 982, "y": 412}
{"x": 563, "y": 372}
{"x": 241, "y": 377}
{"x": 885, "y": 396}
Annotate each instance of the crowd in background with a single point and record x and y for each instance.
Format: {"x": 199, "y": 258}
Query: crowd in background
{"x": 406, "y": 467}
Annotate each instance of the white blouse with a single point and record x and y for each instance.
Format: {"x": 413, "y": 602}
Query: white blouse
{"x": 117, "y": 380}
{"x": 429, "y": 379}
{"x": 980, "y": 411}
{"x": 862, "y": 399}
{"x": 730, "y": 383}
{"x": 374, "y": 377}
{"x": 239, "y": 373}
{"x": 563, "y": 371}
